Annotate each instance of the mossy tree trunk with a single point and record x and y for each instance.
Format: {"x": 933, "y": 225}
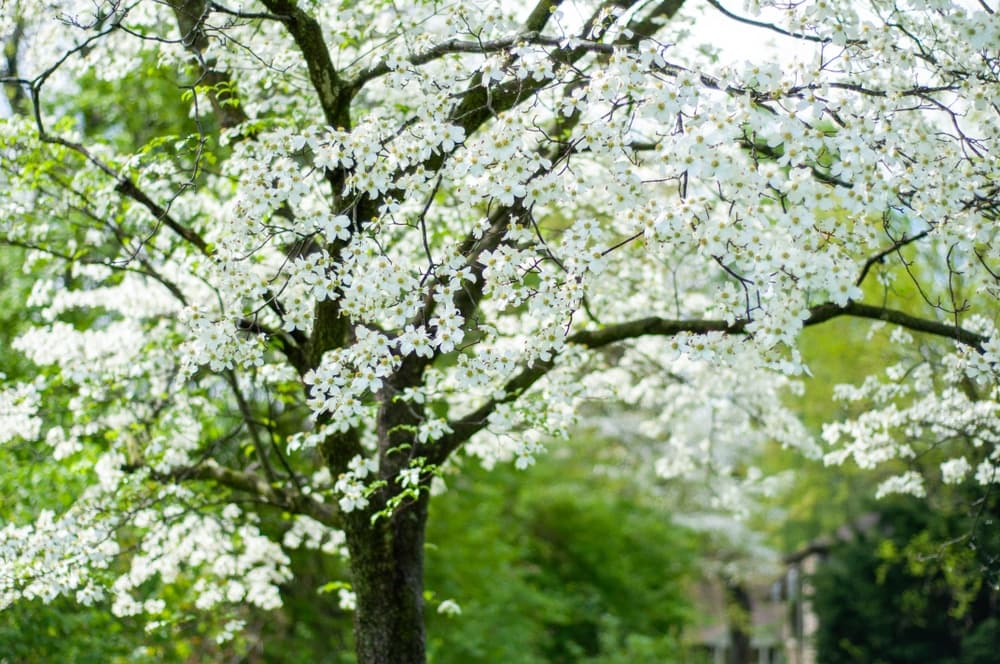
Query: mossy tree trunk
{"x": 387, "y": 567}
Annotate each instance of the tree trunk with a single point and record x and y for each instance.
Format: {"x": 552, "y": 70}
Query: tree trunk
{"x": 740, "y": 612}
{"x": 387, "y": 566}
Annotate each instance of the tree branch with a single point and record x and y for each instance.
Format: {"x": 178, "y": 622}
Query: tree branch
{"x": 251, "y": 483}
{"x": 465, "y": 427}
{"x": 308, "y": 36}
{"x": 251, "y": 423}
{"x": 825, "y": 312}
{"x": 533, "y": 26}
{"x": 16, "y": 96}
{"x": 125, "y": 185}
{"x": 880, "y": 256}
{"x": 767, "y": 26}
{"x": 357, "y": 79}
{"x": 191, "y": 15}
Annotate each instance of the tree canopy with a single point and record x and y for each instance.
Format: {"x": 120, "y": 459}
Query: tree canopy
{"x": 293, "y": 262}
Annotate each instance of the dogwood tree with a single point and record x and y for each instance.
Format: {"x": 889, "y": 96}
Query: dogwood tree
{"x": 402, "y": 232}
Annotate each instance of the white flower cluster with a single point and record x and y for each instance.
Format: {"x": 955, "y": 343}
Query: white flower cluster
{"x": 311, "y": 534}
{"x": 19, "y": 413}
{"x": 352, "y": 486}
{"x": 56, "y": 555}
{"x": 220, "y": 344}
{"x": 911, "y": 411}
{"x": 233, "y": 561}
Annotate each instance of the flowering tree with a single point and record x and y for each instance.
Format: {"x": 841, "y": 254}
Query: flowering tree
{"x": 401, "y": 232}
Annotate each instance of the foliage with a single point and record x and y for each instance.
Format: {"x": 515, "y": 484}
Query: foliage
{"x": 897, "y": 594}
{"x": 526, "y": 556}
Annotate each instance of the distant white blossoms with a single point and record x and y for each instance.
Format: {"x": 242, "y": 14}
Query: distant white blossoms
{"x": 449, "y": 607}
{"x": 19, "y": 413}
{"x": 954, "y": 471}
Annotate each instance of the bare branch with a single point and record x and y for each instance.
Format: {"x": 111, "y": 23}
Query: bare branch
{"x": 880, "y": 256}
{"x": 246, "y": 413}
{"x": 357, "y": 79}
{"x": 766, "y": 26}
{"x": 237, "y": 13}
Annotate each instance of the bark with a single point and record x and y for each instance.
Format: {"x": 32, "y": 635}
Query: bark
{"x": 190, "y": 15}
{"x": 387, "y": 556}
{"x": 387, "y": 566}
{"x": 16, "y": 95}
